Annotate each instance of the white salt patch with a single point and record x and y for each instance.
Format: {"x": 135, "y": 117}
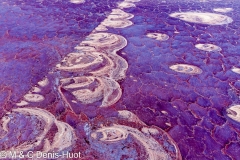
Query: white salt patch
{"x": 203, "y": 18}
{"x": 36, "y": 89}
{"x": 186, "y": 68}
{"x": 208, "y": 47}
{"x": 33, "y": 97}
{"x": 126, "y": 5}
{"x": 117, "y": 133}
{"x": 158, "y": 36}
{"x": 236, "y": 70}
{"x": 77, "y": 1}
{"x": 234, "y": 113}
{"x": 22, "y": 103}
{"x": 223, "y": 10}
{"x": 43, "y": 82}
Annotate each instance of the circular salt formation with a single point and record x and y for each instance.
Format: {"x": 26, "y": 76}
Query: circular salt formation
{"x": 208, "y": 47}
{"x": 86, "y": 62}
{"x": 236, "y": 70}
{"x": 118, "y": 14}
{"x": 223, "y": 10}
{"x": 39, "y": 122}
{"x": 33, "y": 97}
{"x": 158, "y": 36}
{"x": 111, "y": 134}
{"x": 186, "y": 68}
{"x": 234, "y": 113}
{"x": 105, "y": 42}
{"x": 203, "y": 18}
{"x": 116, "y": 23}
{"x": 119, "y": 133}
{"x": 95, "y": 63}
{"x": 118, "y": 19}
{"x": 77, "y": 1}
{"x": 90, "y": 89}
{"x": 126, "y": 5}
{"x": 142, "y": 141}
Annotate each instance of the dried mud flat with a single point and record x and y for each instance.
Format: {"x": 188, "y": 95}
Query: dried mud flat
{"x": 120, "y": 80}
